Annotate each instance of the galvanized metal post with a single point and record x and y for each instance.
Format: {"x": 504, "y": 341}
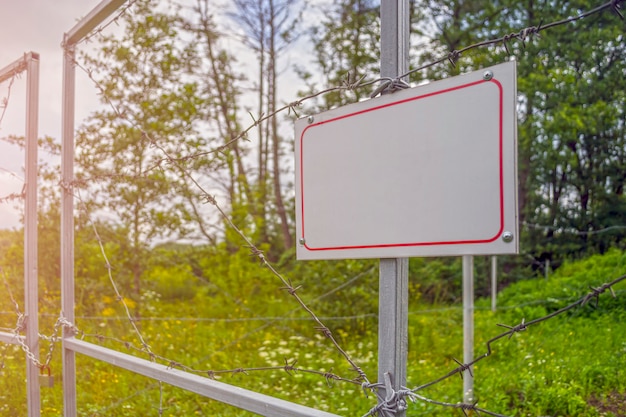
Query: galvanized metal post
{"x": 494, "y": 282}
{"x": 71, "y": 38}
{"x": 67, "y": 229}
{"x": 30, "y": 233}
{"x": 393, "y": 313}
{"x": 393, "y": 285}
{"x": 468, "y": 326}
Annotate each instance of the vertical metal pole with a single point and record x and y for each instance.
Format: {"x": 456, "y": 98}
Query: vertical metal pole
{"x": 30, "y": 234}
{"x": 393, "y": 285}
{"x": 468, "y": 326}
{"x": 67, "y": 228}
{"x": 494, "y": 282}
{"x": 393, "y": 313}
{"x": 394, "y": 38}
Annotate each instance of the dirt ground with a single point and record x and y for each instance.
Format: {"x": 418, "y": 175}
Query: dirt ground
{"x": 611, "y": 403}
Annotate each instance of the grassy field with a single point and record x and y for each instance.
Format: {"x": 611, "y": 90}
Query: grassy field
{"x": 570, "y": 365}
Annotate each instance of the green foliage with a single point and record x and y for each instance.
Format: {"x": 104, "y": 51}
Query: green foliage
{"x": 343, "y": 288}
{"x": 570, "y": 114}
{"x": 569, "y": 283}
{"x": 437, "y": 279}
{"x": 554, "y": 368}
{"x": 174, "y": 283}
{"x": 346, "y": 45}
{"x": 214, "y": 309}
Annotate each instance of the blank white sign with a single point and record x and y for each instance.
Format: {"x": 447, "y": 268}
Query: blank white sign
{"x": 427, "y": 171}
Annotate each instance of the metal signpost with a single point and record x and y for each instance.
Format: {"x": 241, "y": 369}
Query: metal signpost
{"x": 494, "y": 282}
{"x": 393, "y": 281}
{"x": 427, "y": 171}
{"x": 468, "y": 327}
{"x": 29, "y": 63}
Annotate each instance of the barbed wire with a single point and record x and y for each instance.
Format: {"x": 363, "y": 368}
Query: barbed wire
{"x": 289, "y": 364}
{"x": 388, "y": 405}
{"x": 122, "y": 11}
{"x": 289, "y": 367}
{"x": 589, "y": 298}
{"x": 573, "y": 231}
{"x": 4, "y": 103}
{"x": 11, "y": 197}
{"x": 524, "y": 34}
{"x": 255, "y": 251}
{"x": 417, "y": 312}
{"x": 145, "y": 348}
{"x": 20, "y": 326}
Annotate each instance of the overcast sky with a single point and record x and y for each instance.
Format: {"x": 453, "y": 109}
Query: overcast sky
{"x": 37, "y": 26}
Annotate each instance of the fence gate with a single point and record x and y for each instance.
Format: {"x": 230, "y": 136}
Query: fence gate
{"x": 29, "y": 321}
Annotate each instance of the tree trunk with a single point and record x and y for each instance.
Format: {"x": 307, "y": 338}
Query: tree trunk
{"x": 276, "y": 142}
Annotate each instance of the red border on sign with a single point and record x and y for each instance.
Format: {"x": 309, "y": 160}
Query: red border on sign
{"x": 434, "y": 243}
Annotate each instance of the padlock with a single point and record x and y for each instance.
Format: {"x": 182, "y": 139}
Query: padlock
{"x": 46, "y": 380}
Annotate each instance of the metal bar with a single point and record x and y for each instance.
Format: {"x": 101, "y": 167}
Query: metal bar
{"x": 468, "y": 327}
{"x": 67, "y": 229}
{"x": 71, "y": 38}
{"x": 91, "y": 21}
{"x": 238, "y": 397}
{"x": 494, "y": 282}
{"x": 394, "y": 38}
{"x": 393, "y": 311}
{"x": 12, "y": 69}
{"x": 31, "y": 293}
{"x": 10, "y": 338}
{"x": 393, "y": 276}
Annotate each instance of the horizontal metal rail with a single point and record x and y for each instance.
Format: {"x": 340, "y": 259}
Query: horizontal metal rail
{"x": 10, "y": 338}
{"x": 14, "y": 68}
{"x": 91, "y": 21}
{"x": 238, "y": 397}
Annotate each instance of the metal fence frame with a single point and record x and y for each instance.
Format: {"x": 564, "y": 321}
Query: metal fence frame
{"x": 30, "y": 321}
{"x": 235, "y": 396}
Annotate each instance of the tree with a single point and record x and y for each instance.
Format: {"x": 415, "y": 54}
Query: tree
{"x": 151, "y": 123}
{"x": 346, "y": 45}
{"x": 269, "y": 28}
{"x": 219, "y": 89}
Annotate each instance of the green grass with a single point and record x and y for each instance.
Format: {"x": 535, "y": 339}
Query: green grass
{"x": 570, "y": 365}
